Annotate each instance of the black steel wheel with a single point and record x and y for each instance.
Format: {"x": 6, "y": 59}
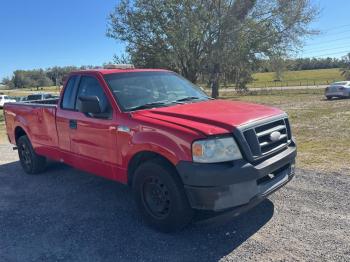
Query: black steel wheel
{"x": 160, "y": 196}
{"x": 31, "y": 162}
{"x": 155, "y": 197}
{"x": 25, "y": 156}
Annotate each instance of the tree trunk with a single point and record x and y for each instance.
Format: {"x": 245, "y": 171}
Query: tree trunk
{"x": 215, "y": 88}
{"x": 215, "y": 81}
{"x": 189, "y": 74}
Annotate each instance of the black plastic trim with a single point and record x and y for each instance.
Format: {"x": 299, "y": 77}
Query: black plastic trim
{"x": 223, "y": 186}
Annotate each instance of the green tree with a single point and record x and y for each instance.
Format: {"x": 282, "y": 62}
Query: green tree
{"x": 278, "y": 65}
{"x": 30, "y": 78}
{"x": 197, "y": 36}
{"x": 7, "y": 82}
{"x": 59, "y": 74}
{"x": 22, "y": 79}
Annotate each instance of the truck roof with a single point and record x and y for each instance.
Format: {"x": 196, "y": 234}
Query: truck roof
{"x": 116, "y": 71}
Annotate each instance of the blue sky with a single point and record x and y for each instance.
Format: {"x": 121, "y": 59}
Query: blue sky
{"x": 44, "y": 33}
{"x": 334, "y": 25}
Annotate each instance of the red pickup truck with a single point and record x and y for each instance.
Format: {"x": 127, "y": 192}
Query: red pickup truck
{"x": 179, "y": 150}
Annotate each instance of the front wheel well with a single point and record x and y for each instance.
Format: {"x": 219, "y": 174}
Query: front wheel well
{"x": 19, "y": 131}
{"x": 142, "y": 157}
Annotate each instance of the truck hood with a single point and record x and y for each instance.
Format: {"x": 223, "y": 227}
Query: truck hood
{"x": 211, "y": 117}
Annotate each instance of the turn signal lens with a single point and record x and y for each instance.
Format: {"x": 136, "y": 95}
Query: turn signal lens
{"x": 197, "y": 150}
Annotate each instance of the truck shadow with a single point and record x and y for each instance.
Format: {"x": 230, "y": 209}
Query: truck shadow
{"x": 65, "y": 214}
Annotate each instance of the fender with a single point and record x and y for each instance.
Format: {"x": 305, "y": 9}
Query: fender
{"x": 173, "y": 149}
{"x": 21, "y": 122}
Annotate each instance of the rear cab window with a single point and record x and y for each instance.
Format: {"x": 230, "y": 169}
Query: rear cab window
{"x": 68, "y": 100}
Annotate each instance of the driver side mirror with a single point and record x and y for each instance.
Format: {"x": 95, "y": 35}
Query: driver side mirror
{"x": 89, "y": 105}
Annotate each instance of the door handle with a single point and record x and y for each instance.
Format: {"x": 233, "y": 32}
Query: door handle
{"x": 73, "y": 124}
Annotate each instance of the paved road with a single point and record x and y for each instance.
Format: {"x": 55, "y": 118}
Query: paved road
{"x": 68, "y": 215}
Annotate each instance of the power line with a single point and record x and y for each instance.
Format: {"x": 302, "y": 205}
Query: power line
{"x": 330, "y": 54}
{"x": 328, "y": 49}
{"x": 331, "y": 41}
{"x": 336, "y": 27}
{"x": 338, "y": 33}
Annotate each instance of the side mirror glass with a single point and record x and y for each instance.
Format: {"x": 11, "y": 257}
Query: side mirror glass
{"x": 89, "y": 105}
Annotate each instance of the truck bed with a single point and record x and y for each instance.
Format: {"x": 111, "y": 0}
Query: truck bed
{"x": 36, "y": 118}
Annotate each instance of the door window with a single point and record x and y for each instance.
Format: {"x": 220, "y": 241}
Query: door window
{"x": 89, "y": 86}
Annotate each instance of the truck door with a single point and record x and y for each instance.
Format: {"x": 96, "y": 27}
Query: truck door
{"x": 93, "y": 137}
{"x": 66, "y": 111}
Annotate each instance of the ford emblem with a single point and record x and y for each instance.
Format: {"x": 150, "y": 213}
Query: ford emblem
{"x": 275, "y": 136}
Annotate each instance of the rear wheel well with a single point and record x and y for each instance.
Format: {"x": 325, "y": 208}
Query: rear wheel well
{"x": 142, "y": 157}
{"x": 19, "y": 132}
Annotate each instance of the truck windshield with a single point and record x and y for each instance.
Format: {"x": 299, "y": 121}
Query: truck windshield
{"x": 141, "y": 90}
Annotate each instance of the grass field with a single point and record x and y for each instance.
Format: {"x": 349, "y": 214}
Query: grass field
{"x": 321, "y": 127}
{"x": 27, "y": 91}
{"x": 293, "y": 78}
{"x": 298, "y": 78}
{"x": 304, "y": 75}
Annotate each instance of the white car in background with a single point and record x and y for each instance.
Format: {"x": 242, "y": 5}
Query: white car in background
{"x": 338, "y": 89}
{"x": 5, "y": 99}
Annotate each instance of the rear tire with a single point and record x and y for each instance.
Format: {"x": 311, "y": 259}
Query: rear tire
{"x": 328, "y": 97}
{"x": 31, "y": 162}
{"x": 160, "y": 196}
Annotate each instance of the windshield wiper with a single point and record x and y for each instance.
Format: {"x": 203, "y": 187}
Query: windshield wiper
{"x": 163, "y": 103}
{"x": 189, "y": 98}
{"x": 149, "y": 105}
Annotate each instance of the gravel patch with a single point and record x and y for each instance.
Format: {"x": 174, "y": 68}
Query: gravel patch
{"x": 69, "y": 215}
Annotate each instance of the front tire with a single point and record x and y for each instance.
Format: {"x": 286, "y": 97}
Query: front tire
{"x": 31, "y": 162}
{"x": 160, "y": 196}
{"x": 328, "y": 97}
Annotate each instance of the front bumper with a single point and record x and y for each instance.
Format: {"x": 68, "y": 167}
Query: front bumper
{"x": 238, "y": 184}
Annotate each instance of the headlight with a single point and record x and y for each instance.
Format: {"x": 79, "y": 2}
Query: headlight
{"x": 215, "y": 150}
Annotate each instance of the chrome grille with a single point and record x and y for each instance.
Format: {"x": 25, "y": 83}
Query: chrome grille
{"x": 268, "y": 137}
